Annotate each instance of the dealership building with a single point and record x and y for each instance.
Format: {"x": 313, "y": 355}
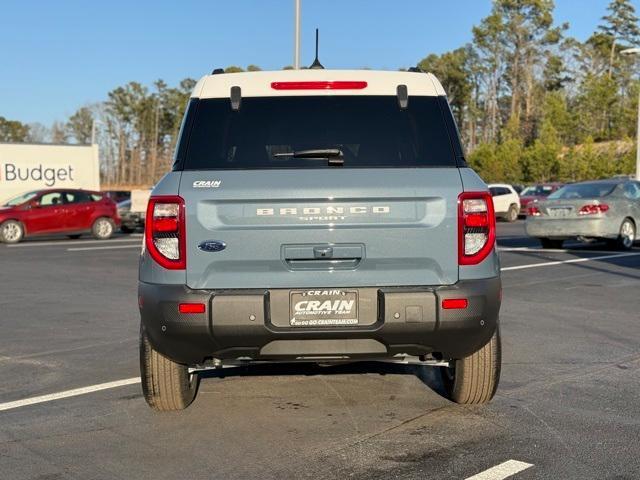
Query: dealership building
{"x": 26, "y": 167}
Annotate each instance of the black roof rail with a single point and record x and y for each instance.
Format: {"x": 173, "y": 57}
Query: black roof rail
{"x": 416, "y": 70}
{"x": 217, "y": 71}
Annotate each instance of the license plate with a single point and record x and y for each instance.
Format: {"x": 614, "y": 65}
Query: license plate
{"x": 559, "y": 212}
{"x": 319, "y": 308}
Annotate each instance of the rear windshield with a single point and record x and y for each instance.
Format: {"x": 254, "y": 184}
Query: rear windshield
{"x": 583, "y": 190}
{"x": 368, "y": 131}
{"x": 537, "y": 191}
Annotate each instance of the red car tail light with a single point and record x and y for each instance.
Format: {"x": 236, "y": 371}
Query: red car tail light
{"x": 593, "y": 209}
{"x": 164, "y": 232}
{"x": 476, "y": 227}
{"x": 534, "y": 212}
{"x": 454, "y": 303}
{"x": 336, "y": 85}
{"x": 191, "y": 307}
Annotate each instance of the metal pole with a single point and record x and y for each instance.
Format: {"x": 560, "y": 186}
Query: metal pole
{"x": 296, "y": 40}
{"x": 638, "y": 142}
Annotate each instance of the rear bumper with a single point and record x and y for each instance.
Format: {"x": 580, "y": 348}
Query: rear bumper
{"x": 569, "y": 228}
{"x": 253, "y": 324}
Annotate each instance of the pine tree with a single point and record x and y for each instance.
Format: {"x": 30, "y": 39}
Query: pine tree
{"x": 621, "y": 25}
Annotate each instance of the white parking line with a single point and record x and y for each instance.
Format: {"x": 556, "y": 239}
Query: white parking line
{"x": 551, "y": 250}
{"x": 116, "y": 247}
{"x": 573, "y": 260}
{"x": 504, "y": 470}
{"x": 69, "y": 242}
{"x": 68, "y": 393}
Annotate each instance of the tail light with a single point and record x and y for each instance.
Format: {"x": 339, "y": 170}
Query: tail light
{"x": 321, "y": 85}
{"x": 476, "y": 227}
{"x": 534, "y": 212}
{"x": 593, "y": 209}
{"x": 164, "y": 232}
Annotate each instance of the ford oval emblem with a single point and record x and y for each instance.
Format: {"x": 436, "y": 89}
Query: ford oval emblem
{"x": 212, "y": 246}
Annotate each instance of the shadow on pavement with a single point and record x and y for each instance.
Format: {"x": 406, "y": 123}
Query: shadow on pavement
{"x": 430, "y": 376}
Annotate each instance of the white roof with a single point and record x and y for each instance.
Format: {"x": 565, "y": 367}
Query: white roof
{"x": 258, "y": 84}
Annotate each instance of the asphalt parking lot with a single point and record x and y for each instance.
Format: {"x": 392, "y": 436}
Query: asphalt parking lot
{"x": 567, "y": 406}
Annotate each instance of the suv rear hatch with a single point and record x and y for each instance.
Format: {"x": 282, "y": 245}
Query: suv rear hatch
{"x": 380, "y": 212}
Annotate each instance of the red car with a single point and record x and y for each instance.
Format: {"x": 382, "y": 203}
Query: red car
{"x": 537, "y": 192}
{"x": 63, "y": 211}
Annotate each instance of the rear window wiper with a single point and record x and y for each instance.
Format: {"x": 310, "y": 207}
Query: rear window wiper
{"x": 333, "y": 155}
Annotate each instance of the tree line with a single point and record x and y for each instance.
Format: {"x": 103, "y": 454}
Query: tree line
{"x": 532, "y": 103}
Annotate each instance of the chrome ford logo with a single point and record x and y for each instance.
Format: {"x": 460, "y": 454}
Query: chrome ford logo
{"x": 212, "y": 246}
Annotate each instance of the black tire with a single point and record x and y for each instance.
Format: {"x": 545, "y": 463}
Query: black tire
{"x": 551, "y": 243}
{"x": 512, "y": 214}
{"x": 474, "y": 379}
{"x": 11, "y": 231}
{"x": 125, "y": 229}
{"x": 166, "y": 385}
{"x": 627, "y": 235}
{"x": 75, "y": 236}
{"x": 103, "y": 228}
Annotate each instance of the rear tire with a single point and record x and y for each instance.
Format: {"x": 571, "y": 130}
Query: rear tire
{"x": 103, "y": 228}
{"x": 551, "y": 243}
{"x": 166, "y": 385}
{"x": 474, "y": 379}
{"x": 512, "y": 214}
{"x": 125, "y": 229}
{"x": 627, "y": 235}
{"x": 11, "y": 231}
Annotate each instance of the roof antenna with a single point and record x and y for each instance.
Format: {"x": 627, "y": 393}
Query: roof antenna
{"x": 316, "y": 63}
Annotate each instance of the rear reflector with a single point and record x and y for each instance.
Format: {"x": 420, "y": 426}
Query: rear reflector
{"x": 454, "y": 303}
{"x": 337, "y": 85}
{"x": 191, "y": 307}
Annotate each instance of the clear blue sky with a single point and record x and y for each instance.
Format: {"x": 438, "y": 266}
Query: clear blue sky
{"x": 56, "y": 56}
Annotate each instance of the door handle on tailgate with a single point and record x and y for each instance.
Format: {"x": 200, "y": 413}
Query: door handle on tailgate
{"x": 343, "y": 256}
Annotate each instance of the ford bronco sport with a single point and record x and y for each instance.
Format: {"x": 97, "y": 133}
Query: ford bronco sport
{"x": 322, "y": 216}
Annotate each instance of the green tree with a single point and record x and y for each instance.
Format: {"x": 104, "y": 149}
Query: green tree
{"x": 13, "y": 131}
{"x": 80, "y": 125}
{"x": 541, "y": 159}
{"x": 620, "y": 25}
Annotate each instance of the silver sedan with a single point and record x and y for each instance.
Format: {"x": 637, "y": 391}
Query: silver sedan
{"x": 604, "y": 210}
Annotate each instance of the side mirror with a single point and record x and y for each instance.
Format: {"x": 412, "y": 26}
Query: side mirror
{"x": 34, "y": 204}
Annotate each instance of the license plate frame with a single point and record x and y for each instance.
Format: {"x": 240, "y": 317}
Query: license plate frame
{"x": 333, "y": 307}
{"x": 560, "y": 212}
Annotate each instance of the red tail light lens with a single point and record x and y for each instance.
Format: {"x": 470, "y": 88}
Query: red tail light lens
{"x": 454, "y": 303}
{"x": 476, "y": 227}
{"x": 191, "y": 307}
{"x": 593, "y": 209}
{"x": 336, "y": 85}
{"x": 164, "y": 232}
{"x": 534, "y": 212}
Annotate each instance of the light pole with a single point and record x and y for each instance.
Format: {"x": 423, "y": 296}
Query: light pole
{"x": 296, "y": 34}
{"x": 636, "y": 51}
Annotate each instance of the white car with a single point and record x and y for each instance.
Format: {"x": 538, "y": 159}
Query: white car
{"x": 506, "y": 201}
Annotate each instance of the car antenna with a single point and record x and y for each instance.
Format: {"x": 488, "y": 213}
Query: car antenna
{"x": 316, "y": 63}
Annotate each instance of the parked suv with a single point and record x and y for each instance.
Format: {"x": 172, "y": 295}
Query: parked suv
{"x": 319, "y": 216}
{"x": 58, "y": 211}
{"x": 506, "y": 201}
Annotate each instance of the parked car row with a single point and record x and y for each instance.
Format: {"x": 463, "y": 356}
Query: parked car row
{"x": 606, "y": 210}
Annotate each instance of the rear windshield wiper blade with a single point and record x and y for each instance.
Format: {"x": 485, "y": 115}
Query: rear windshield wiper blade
{"x": 334, "y": 155}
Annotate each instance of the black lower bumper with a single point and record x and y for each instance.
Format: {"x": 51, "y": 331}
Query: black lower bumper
{"x": 254, "y": 324}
